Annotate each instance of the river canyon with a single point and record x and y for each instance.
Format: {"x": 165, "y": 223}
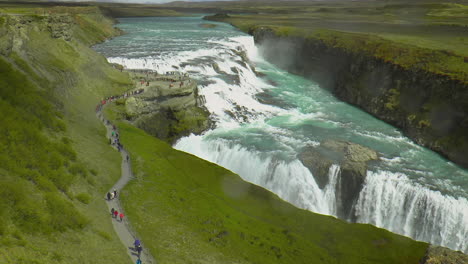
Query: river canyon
{"x": 264, "y": 118}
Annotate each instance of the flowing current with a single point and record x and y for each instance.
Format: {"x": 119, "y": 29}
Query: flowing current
{"x": 265, "y": 116}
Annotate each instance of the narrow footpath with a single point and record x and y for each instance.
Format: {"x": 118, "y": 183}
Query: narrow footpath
{"x": 123, "y": 228}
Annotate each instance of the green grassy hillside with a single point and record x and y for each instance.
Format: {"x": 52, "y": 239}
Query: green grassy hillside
{"x": 55, "y": 162}
{"x": 57, "y": 166}
{"x": 188, "y": 210}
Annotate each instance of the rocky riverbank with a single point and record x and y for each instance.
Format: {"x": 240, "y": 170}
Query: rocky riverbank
{"x": 170, "y": 107}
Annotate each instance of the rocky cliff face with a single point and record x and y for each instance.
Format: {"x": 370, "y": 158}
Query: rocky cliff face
{"x": 15, "y": 29}
{"x": 441, "y": 255}
{"x": 352, "y": 159}
{"x": 429, "y": 108}
{"x": 167, "y": 109}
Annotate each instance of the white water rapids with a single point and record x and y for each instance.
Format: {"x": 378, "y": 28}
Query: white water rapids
{"x": 260, "y": 142}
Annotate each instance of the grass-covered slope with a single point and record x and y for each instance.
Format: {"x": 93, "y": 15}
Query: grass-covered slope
{"x": 188, "y": 210}
{"x": 55, "y": 164}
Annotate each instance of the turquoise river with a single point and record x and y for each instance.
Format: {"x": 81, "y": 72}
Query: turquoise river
{"x": 264, "y": 120}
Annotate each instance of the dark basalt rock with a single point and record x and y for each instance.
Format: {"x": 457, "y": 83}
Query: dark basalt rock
{"x": 430, "y": 108}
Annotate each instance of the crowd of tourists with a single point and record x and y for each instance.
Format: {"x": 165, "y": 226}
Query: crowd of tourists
{"x": 116, "y": 97}
{"x": 114, "y": 140}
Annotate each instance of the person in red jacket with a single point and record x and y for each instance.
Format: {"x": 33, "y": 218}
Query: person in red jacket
{"x": 116, "y": 213}
{"x": 121, "y": 216}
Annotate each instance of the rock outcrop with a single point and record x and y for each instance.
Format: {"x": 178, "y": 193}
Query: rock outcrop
{"x": 441, "y": 255}
{"x": 167, "y": 109}
{"x": 60, "y": 26}
{"x": 430, "y": 108}
{"x": 352, "y": 159}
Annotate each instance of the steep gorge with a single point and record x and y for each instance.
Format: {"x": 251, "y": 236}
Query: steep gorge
{"x": 430, "y": 108}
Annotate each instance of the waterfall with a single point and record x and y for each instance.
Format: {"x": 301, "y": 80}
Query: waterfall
{"x": 330, "y": 189}
{"x": 392, "y": 201}
{"x": 247, "y": 141}
{"x": 291, "y": 181}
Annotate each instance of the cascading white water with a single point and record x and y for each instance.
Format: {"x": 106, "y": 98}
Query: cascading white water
{"x": 392, "y": 201}
{"x": 291, "y": 181}
{"x": 260, "y": 143}
{"x": 330, "y": 189}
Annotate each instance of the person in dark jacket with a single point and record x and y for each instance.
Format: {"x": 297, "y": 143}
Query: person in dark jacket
{"x": 139, "y": 248}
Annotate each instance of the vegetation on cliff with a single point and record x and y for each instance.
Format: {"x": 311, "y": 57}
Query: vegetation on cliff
{"x": 169, "y": 108}
{"x": 404, "y": 63}
{"x": 56, "y": 163}
{"x": 424, "y": 35}
{"x": 190, "y": 210}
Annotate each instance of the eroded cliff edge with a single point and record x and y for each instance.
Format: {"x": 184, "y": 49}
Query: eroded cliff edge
{"x": 430, "y": 108}
{"x": 406, "y": 86}
{"x": 169, "y": 106}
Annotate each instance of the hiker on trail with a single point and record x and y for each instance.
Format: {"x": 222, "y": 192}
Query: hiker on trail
{"x": 127, "y": 158}
{"x": 115, "y": 193}
{"x": 136, "y": 243}
{"x": 112, "y": 196}
{"x": 113, "y": 133}
{"x": 138, "y": 261}
{"x": 139, "y": 248}
{"x": 147, "y": 83}
{"x": 121, "y": 216}
{"x": 112, "y": 211}
{"x": 108, "y": 196}
{"x": 116, "y": 213}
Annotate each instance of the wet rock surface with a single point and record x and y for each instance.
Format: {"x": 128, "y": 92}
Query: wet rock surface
{"x": 352, "y": 159}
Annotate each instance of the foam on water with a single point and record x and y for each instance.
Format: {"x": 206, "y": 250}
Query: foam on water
{"x": 291, "y": 181}
{"x": 260, "y": 141}
{"x": 391, "y": 201}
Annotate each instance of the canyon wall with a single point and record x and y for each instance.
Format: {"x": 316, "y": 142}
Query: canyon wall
{"x": 430, "y": 108}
